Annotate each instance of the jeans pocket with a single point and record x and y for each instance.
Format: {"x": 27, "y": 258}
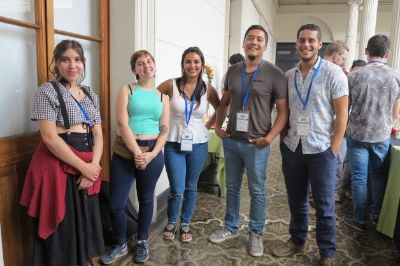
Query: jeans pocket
{"x": 331, "y": 152}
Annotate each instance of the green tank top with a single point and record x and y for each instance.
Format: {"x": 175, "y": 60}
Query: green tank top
{"x": 144, "y": 109}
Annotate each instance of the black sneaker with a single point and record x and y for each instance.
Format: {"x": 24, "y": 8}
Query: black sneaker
{"x": 374, "y": 219}
{"x": 353, "y": 224}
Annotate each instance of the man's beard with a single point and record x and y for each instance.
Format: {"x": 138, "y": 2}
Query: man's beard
{"x": 251, "y": 57}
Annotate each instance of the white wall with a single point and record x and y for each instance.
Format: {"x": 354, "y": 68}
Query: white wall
{"x": 184, "y": 23}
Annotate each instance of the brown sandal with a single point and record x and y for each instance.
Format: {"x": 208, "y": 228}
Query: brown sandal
{"x": 169, "y": 232}
{"x": 185, "y": 231}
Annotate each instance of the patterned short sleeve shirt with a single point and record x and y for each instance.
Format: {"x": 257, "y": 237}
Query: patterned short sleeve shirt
{"x": 373, "y": 92}
{"x": 46, "y": 106}
{"x": 329, "y": 84}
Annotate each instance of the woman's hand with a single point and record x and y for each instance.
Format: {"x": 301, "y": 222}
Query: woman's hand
{"x": 142, "y": 160}
{"x": 84, "y": 182}
{"x": 91, "y": 171}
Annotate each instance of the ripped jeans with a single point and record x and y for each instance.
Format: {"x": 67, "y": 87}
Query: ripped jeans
{"x": 183, "y": 169}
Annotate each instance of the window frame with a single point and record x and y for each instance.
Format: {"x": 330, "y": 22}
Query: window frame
{"x": 12, "y": 151}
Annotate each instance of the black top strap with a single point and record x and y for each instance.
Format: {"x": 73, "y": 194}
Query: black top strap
{"x": 62, "y": 105}
{"x": 129, "y": 86}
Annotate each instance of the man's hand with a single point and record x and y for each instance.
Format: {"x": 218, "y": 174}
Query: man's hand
{"x": 335, "y": 149}
{"x": 221, "y": 133}
{"x": 260, "y": 142}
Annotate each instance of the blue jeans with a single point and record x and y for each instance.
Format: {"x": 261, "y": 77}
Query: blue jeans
{"x": 123, "y": 173}
{"x": 183, "y": 169}
{"x": 368, "y": 159}
{"x": 319, "y": 170}
{"x": 340, "y": 157}
{"x": 240, "y": 155}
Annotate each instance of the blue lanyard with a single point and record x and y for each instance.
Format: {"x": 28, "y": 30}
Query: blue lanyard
{"x": 188, "y": 114}
{"x": 83, "y": 111}
{"x": 305, "y": 102}
{"x": 245, "y": 97}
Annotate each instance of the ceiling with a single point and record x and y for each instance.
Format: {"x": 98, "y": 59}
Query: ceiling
{"x": 321, "y": 2}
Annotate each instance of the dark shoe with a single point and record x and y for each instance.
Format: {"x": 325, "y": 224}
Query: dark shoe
{"x": 114, "y": 253}
{"x": 338, "y": 198}
{"x": 186, "y": 233}
{"x": 142, "y": 252}
{"x": 287, "y": 249}
{"x": 353, "y": 224}
{"x": 328, "y": 261}
{"x": 169, "y": 232}
{"x": 375, "y": 219}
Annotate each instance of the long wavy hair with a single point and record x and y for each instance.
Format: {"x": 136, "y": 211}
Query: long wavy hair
{"x": 201, "y": 87}
{"x": 58, "y": 53}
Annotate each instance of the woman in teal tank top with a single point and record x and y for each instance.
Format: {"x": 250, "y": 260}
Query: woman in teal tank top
{"x": 142, "y": 117}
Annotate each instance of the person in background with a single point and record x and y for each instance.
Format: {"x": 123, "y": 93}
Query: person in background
{"x": 345, "y": 189}
{"x": 357, "y": 64}
{"x": 318, "y": 103}
{"x": 374, "y": 106}
{"x": 142, "y": 117}
{"x": 336, "y": 52}
{"x": 187, "y": 146}
{"x": 252, "y": 87}
{"x": 233, "y": 59}
{"x": 63, "y": 179}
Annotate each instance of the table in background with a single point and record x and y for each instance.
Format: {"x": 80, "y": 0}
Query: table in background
{"x": 215, "y": 156}
{"x": 390, "y": 206}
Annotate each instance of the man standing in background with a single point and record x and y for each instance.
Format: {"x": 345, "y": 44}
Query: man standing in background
{"x": 336, "y": 52}
{"x": 375, "y": 105}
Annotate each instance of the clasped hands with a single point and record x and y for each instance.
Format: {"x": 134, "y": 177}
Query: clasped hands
{"x": 89, "y": 175}
{"x": 141, "y": 160}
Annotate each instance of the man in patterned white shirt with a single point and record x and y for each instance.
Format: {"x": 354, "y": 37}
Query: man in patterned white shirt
{"x": 375, "y": 104}
{"x": 318, "y": 103}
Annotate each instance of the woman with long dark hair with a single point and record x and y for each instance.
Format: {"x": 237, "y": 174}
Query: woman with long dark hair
{"x": 63, "y": 179}
{"x": 187, "y": 146}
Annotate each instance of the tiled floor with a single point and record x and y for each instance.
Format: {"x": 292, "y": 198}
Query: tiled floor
{"x": 353, "y": 248}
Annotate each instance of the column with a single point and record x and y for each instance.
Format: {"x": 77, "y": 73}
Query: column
{"x": 394, "y": 57}
{"x": 351, "y": 33}
{"x": 368, "y": 23}
{"x": 145, "y": 25}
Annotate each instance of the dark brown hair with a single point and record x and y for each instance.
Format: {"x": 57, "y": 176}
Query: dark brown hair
{"x": 58, "y": 53}
{"x": 201, "y": 87}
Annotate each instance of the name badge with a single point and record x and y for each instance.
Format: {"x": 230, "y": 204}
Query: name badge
{"x": 303, "y": 125}
{"x": 186, "y": 140}
{"x": 242, "y": 121}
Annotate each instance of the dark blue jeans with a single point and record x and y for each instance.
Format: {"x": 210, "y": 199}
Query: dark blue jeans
{"x": 319, "y": 170}
{"x": 123, "y": 173}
